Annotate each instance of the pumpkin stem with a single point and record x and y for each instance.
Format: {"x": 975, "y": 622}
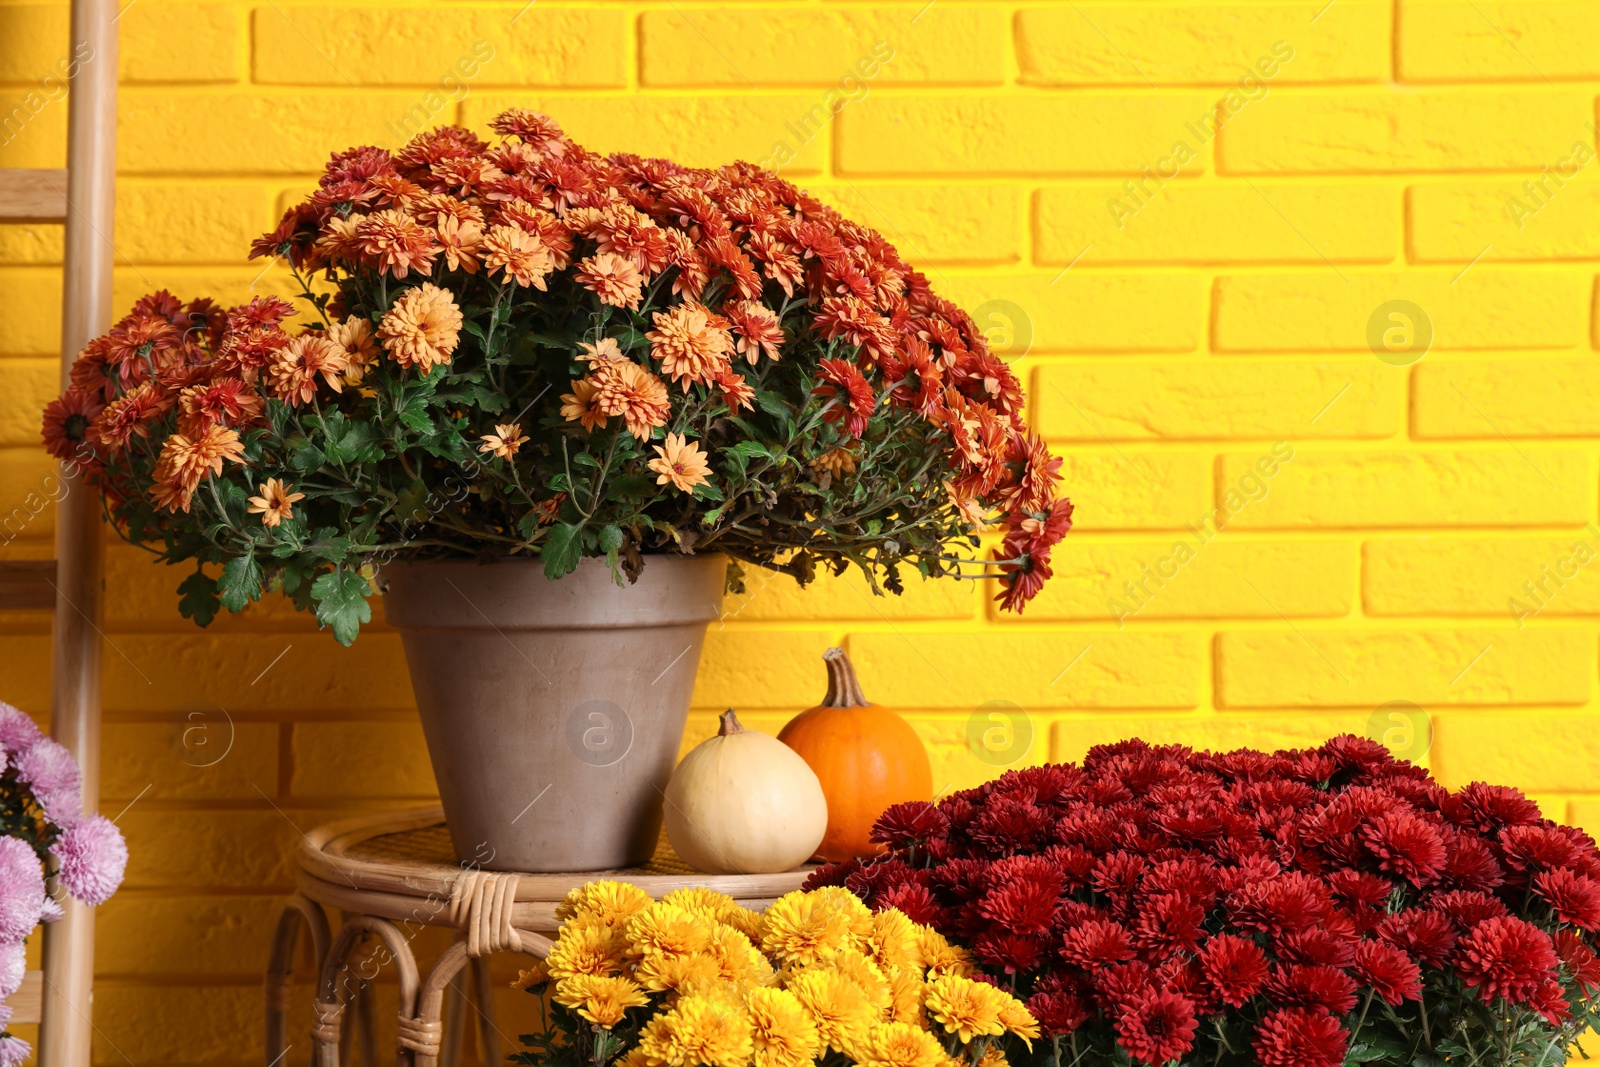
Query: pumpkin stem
{"x": 729, "y": 724}
{"x": 844, "y": 691}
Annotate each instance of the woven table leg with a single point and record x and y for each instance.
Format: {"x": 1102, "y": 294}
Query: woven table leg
{"x": 337, "y": 986}
{"x": 299, "y": 912}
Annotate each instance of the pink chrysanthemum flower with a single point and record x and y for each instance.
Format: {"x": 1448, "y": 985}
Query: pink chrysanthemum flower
{"x": 93, "y": 856}
{"x": 17, "y": 729}
{"x": 14, "y": 1051}
{"x": 48, "y": 767}
{"x": 13, "y": 965}
{"x": 21, "y": 889}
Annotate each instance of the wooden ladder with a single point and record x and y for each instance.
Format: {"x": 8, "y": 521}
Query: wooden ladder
{"x": 59, "y": 996}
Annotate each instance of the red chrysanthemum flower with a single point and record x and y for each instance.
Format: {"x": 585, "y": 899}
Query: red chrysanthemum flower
{"x": 1506, "y": 957}
{"x": 1157, "y": 1027}
{"x": 1406, "y": 845}
{"x": 1574, "y": 898}
{"x": 1314, "y": 986}
{"x": 1059, "y": 1013}
{"x": 1394, "y": 975}
{"x": 908, "y": 824}
{"x": 843, "y": 380}
{"x": 1235, "y": 966}
{"x": 1299, "y": 1037}
{"x": 1427, "y": 935}
{"x": 1579, "y": 959}
{"x": 1096, "y": 943}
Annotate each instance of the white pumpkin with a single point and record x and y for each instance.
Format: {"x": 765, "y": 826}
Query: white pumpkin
{"x": 744, "y": 802}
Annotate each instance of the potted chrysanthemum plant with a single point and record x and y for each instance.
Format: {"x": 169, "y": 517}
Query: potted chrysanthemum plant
{"x": 616, "y": 372}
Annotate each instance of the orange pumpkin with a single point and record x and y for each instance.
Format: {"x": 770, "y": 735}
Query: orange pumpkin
{"x": 866, "y": 757}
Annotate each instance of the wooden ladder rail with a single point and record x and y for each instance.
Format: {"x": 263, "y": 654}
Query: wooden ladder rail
{"x": 83, "y": 197}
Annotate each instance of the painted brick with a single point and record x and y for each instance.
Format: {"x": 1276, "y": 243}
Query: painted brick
{"x": 141, "y": 588}
{"x": 1554, "y": 751}
{"x": 1464, "y": 40}
{"x": 449, "y": 50}
{"x": 1315, "y": 668}
{"x": 196, "y": 753}
{"x": 1189, "y": 576}
{"x": 1112, "y": 133}
{"x": 340, "y": 760}
{"x": 152, "y": 935}
{"x": 966, "y": 751}
{"x": 38, "y": 333}
{"x": 1585, "y": 812}
{"x": 1133, "y": 490}
{"x": 277, "y": 131}
{"x": 36, "y": 37}
{"x": 1476, "y": 487}
{"x": 788, "y": 131}
{"x": 197, "y": 849}
{"x": 1482, "y": 575}
{"x": 982, "y": 224}
{"x": 199, "y": 1025}
{"x": 1522, "y": 219}
{"x": 30, "y": 385}
{"x": 33, "y": 126}
{"x": 791, "y": 674}
{"x": 1506, "y": 398}
{"x": 30, "y": 482}
{"x": 30, "y": 242}
{"x": 1485, "y": 307}
{"x": 1176, "y": 222}
{"x": 849, "y": 50}
{"x": 226, "y": 285}
{"x": 181, "y": 43}
{"x": 1381, "y": 131}
{"x": 1167, "y": 43}
{"x": 1119, "y": 401}
{"x": 1073, "y": 311}
{"x": 1072, "y": 737}
{"x": 1032, "y": 669}
{"x": 181, "y": 222}
{"x": 773, "y": 597}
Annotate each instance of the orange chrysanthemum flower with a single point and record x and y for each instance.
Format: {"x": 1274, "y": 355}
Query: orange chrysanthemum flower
{"x": 422, "y": 328}
{"x": 627, "y": 389}
{"x": 613, "y": 279}
{"x": 275, "y": 503}
{"x": 131, "y": 415}
{"x": 185, "y": 461}
{"x": 67, "y": 420}
{"x": 396, "y": 243}
{"x": 680, "y": 463}
{"x": 354, "y": 335}
{"x": 602, "y": 350}
{"x": 293, "y": 372}
{"x": 224, "y": 402}
{"x": 691, "y": 343}
{"x": 580, "y": 405}
{"x": 460, "y": 242}
{"x": 506, "y": 441}
{"x": 519, "y": 254}
{"x": 756, "y": 329}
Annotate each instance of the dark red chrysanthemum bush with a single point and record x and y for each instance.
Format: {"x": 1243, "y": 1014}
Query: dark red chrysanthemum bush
{"x": 1304, "y": 908}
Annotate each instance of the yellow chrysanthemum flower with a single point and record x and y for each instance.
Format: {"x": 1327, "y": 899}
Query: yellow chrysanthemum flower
{"x": 963, "y": 1007}
{"x": 893, "y": 942}
{"x": 993, "y": 1056}
{"x": 703, "y": 903}
{"x": 782, "y": 1032}
{"x": 698, "y": 1030}
{"x": 612, "y": 903}
{"x": 1015, "y": 1016}
{"x": 752, "y": 924}
{"x": 900, "y": 1045}
{"x": 866, "y": 975}
{"x": 601, "y": 1000}
{"x": 585, "y": 948}
{"x": 836, "y": 1005}
{"x": 738, "y": 960}
{"x": 804, "y": 928}
{"x": 940, "y": 957}
{"x": 905, "y": 993}
{"x": 667, "y": 930}
{"x": 679, "y": 974}
{"x": 634, "y": 1057}
{"x": 532, "y": 977}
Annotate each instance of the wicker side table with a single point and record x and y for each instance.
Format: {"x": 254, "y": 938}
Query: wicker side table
{"x": 399, "y": 868}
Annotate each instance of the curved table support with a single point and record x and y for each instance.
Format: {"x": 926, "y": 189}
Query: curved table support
{"x": 334, "y": 995}
{"x": 299, "y": 912}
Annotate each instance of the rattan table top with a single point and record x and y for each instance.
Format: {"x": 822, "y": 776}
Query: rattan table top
{"x": 402, "y": 866}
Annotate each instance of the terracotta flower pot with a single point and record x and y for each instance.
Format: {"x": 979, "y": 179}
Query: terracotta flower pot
{"x": 553, "y": 710}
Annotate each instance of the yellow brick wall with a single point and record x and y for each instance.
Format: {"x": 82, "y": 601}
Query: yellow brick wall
{"x": 1185, "y": 222}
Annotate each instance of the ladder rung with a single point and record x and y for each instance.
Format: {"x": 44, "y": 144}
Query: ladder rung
{"x": 27, "y": 585}
{"x": 35, "y": 195}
